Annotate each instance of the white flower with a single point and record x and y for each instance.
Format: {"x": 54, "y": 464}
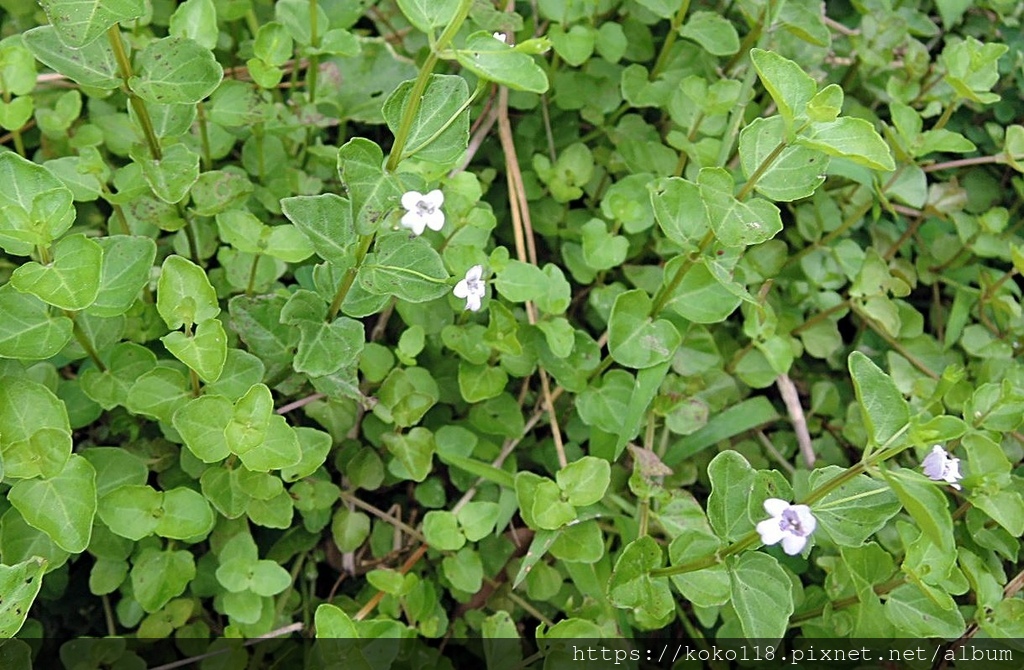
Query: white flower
{"x": 790, "y": 524}
{"x": 940, "y": 466}
{"x": 472, "y": 288}
{"x": 501, "y": 37}
{"x": 423, "y": 211}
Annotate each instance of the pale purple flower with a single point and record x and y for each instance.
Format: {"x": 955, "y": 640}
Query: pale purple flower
{"x": 501, "y": 37}
{"x": 940, "y": 466}
{"x": 790, "y": 524}
{"x": 472, "y": 287}
{"x": 423, "y": 211}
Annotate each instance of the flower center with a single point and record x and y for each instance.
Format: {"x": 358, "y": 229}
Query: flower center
{"x": 474, "y": 285}
{"x": 424, "y": 208}
{"x": 790, "y": 523}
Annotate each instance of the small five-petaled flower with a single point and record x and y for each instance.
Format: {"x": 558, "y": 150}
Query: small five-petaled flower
{"x": 941, "y": 467}
{"x": 790, "y": 524}
{"x": 423, "y": 211}
{"x": 472, "y": 287}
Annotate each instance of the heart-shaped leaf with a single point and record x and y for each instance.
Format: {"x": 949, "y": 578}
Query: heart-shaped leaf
{"x": 71, "y": 281}
{"x": 205, "y": 351}
{"x": 634, "y": 339}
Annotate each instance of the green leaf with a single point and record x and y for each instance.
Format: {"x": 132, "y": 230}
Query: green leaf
{"x": 196, "y": 20}
{"x": 885, "y": 410}
{"x": 71, "y": 281}
{"x": 762, "y": 596}
{"x": 550, "y": 510}
{"x": 632, "y": 587}
{"x": 326, "y": 220}
{"x": 713, "y": 32}
{"x": 794, "y": 173}
{"x": 249, "y": 420}
{"x": 127, "y": 262}
{"x": 731, "y": 481}
{"x": 520, "y": 282}
{"x": 850, "y": 138}
{"x": 926, "y": 504}
{"x": 464, "y": 570}
{"x": 332, "y": 623}
{"x": 185, "y": 515}
{"x": 700, "y": 296}
{"x": 79, "y": 22}
{"x": 602, "y": 250}
{"x": 205, "y": 351}
{"x": 790, "y": 87}
{"x": 16, "y": 113}
{"x": 440, "y": 128}
{"x": 175, "y": 70}
{"x": 413, "y": 451}
{"x": 28, "y": 331}
{"x": 576, "y": 46}
{"x": 131, "y": 511}
{"x": 495, "y": 61}
{"x": 19, "y": 584}
{"x": 648, "y": 382}
{"x": 739, "y": 418}
{"x": 93, "y": 65}
{"x": 408, "y": 269}
{"x": 429, "y": 14}
{"x": 35, "y": 213}
{"x": 924, "y": 614}
{"x": 324, "y": 348}
{"x": 634, "y": 339}
{"x": 441, "y": 528}
{"x": 972, "y": 68}
{"x": 709, "y": 587}
{"x": 736, "y": 224}
{"x": 62, "y": 506}
{"x": 280, "y": 449}
{"x": 115, "y": 467}
{"x": 184, "y": 295}
{"x": 480, "y": 382}
{"x": 173, "y": 175}
{"x": 679, "y": 210}
{"x": 349, "y": 529}
{"x": 585, "y": 481}
{"x": 201, "y": 424}
{"x": 157, "y": 576}
{"x": 36, "y": 436}
{"x": 856, "y": 510}
{"x": 159, "y": 393}
{"x": 373, "y": 191}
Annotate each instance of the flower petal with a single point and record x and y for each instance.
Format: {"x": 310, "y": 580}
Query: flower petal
{"x": 413, "y": 222}
{"x": 475, "y": 273}
{"x": 807, "y": 521}
{"x": 410, "y": 199}
{"x": 770, "y": 531}
{"x": 435, "y": 198}
{"x": 461, "y": 289}
{"x": 473, "y": 302}
{"x": 775, "y": 506}
{"x": 435, "y": 219}
{"x": 793, "y": 544}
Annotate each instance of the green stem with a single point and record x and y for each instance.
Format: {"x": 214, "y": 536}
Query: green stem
{"x": 204, "y": 137}
{"x": 947, "y": 114}
{"x": 190, "y": 235}
{"x": 670, "y": 40}
{"x": 761, "y": 169}
{"x": 667, "y": 290}
{"x": 420, "y": 85}
{"x": 138, "y": 105}
{"x": 83, "y": 341}
{"x": 350, "y": 276}
{"x": 252, "y": 274}
{"x": 314, "y": 59}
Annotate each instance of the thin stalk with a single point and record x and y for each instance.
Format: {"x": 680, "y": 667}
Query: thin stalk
{"x": 204, "y": 137}
{"x": 670, "y": 40}
{"x": 350, "y": 276}
{"x": 947, "y": 114}
{"x": 480, "y": 87}
{"x": 420, "y": 85}
{"x": 761, "y": 169}
{"x": 83, "y": 341}
{"x": 314, "y": 59}
{"x": 250, "y": 287}
{"x": 667, "y": 290}
{"x": 138, "y": 105}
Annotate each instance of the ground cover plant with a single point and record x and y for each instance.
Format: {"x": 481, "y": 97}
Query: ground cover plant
{"x": 547, "y": 320}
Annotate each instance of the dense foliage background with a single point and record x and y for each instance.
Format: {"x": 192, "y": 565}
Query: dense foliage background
{"x": 733, "y": 251}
